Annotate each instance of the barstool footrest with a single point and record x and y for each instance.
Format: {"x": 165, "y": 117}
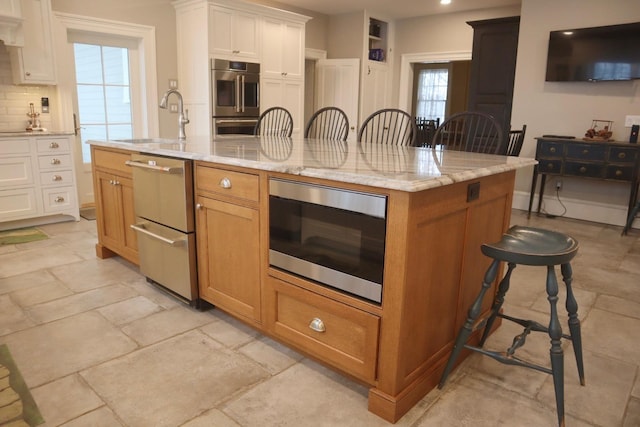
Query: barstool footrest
{"x": 502, "y": 357}
{"x": 528, "y": 324}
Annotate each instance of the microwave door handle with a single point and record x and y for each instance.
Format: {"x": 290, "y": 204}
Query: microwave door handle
{"x": 237, "y": 94}
{"x": 242, "y": 98}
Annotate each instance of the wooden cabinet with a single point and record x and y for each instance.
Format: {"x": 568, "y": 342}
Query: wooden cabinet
{"x": 34, "y": 62}
{"x": 37, "y": 179}
{"x": 493, "y": 67}
{"x": 113, "y": 188}
{"x": 336, "y": 333}
{"x": 233, "y": 34}
{"x": 228, "y": 242}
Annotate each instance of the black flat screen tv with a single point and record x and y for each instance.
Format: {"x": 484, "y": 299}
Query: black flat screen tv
{"x": 594, "y": 54}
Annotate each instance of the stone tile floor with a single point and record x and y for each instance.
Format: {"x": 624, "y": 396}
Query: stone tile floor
{"x": 99, "y": 346}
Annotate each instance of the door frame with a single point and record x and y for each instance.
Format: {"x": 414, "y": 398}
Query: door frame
{"x": 144, "y": 37}
{"x": 406, "y": 70}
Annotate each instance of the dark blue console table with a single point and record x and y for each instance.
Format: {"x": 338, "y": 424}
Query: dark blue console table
{"x": 604, "y": 160}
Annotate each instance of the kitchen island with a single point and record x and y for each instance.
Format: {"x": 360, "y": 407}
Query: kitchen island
{"x": 440, "y": 207}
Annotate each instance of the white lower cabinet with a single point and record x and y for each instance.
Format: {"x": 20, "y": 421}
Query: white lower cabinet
{"x": 37, "y": 179}
{"x": 286, "y": 93}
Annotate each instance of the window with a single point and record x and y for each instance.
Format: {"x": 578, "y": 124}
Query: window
{"x": 104, "y": 93}
{"x": 431, "y": 93}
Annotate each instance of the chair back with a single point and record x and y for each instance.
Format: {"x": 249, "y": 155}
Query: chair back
{"x": 274, "y": 121}
{"x": 389, "y": 126}
{"x": 471, "y": 131}
{"x": 516, "y": 139}
{"x": 426, "y": 130}
{"x": 328, "y": 123}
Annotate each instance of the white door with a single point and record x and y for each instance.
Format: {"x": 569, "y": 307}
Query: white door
{"x": 337, "y": 85}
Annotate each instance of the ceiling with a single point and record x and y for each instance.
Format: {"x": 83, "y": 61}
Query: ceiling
{"x": 396, "y": 9}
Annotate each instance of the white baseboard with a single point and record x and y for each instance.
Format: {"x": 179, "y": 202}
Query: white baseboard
{"x": 575, "y": 208}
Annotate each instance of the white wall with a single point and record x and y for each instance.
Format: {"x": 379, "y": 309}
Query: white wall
{"x": 568, "y": 108}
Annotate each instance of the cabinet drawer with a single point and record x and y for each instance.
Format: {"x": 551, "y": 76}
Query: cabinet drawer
{"x": 62, "y": 161}
{"x": 592, "y": 170}
{"x": 15, "y": 171}
{"x": 550, "y": 166}
{"x": 51, "y": 178}
{"x": 338, "y": 334}
{"x": 586, "y": 152}
{"x": 16, "y": 204}
{"x": 58, "y": 199}
{"x": 112, "y": 160}
{"x": 550, "y": 149}
{"x": 620, "y": 173}
{"x": 14, "y": 146}
{"x": 622, "y": 155}
{"x": 53, "y": 145}
{"x": 227, "y": 183}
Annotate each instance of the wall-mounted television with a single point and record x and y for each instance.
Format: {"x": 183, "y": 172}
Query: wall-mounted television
{"x": 594, "y": 54}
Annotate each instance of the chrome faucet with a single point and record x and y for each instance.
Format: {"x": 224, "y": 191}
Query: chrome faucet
{"x": 183, "y": 116}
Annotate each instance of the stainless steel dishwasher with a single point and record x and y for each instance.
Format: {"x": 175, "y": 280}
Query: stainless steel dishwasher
{"x": 165, "y": 223}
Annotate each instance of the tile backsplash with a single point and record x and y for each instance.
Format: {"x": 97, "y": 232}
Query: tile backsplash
{"x": 15, "y": 99}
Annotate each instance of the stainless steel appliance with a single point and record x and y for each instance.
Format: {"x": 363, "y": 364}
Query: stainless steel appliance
{"x": 165, "y": 223}
{"x": 333, "y": 236}
{"x": 235, "y": 97}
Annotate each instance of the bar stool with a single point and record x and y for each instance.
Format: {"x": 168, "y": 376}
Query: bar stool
{"x": 536, "y": 247}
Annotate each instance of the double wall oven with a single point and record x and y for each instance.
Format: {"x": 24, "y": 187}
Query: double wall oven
{"x": 332, "y": 236}
{"x": 235, "y": 97}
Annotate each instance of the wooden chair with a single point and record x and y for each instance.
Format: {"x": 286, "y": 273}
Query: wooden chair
{"x": 328, "y": 123}
{"x": 470, "y": 131}
{"x": 275, "y": 121}
{"x": 389, "y": 126}
{"x": 515, "y": 141}
{"x": 426, "y": 130}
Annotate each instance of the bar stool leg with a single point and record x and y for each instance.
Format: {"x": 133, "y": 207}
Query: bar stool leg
{"x": 497, "y": 303}
{"x": 555, "y": 333}
{"x": 574, "y": 322}
{"x": 467, "y": 328}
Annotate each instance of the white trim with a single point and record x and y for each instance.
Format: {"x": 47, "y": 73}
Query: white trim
{"x": 406, "y": 71}
{"x": 145, "y": 35}
{"x": 315, "y": 54}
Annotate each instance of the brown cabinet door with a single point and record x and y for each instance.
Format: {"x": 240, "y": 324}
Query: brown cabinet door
{"x": 229, "y": 257}
{"x": 109, "y": 212}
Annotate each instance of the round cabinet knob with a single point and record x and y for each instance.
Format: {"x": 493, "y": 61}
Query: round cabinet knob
{"x": 552, "y": 149}
{"x": 59, "y": 199}
{"x": 54, "y": 145}
{"x": 622, "y": 155}
{"x": 27, "y": 74}
{"x": 618, "y": 172}
{"x": 585, "y": 152}
{"x": 317, "y": 325}
{"x": 550, "y": 166}
{"x": 56, "y": 178}
{"x": 582, "y": 169}
{"x": 198, "y": 206}
{"x": 225, "y": 183}
{"x": 55, "y": 161}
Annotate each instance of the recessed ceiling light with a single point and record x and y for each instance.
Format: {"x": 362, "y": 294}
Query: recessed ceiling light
{"x": 567, "y": 33}
{"x": 445, "y": 1}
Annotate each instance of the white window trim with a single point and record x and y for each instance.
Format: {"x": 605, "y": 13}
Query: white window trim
{"x": 147, "y": 113}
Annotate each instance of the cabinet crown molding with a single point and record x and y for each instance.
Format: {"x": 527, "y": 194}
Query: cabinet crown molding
{"x": 262, "y": 10}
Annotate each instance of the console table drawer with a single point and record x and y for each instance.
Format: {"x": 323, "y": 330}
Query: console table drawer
{"x": 550, "y": 149}
{"x": 621, "y": 173}
{"x": 586, "y": 152}
{"x": 622, "y": 155}
{"x": 341, "y": 335}
{"x": 550, "y": 166}
{"x": 592, "y": 170}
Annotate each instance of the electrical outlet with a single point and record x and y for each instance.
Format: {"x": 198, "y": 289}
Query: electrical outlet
{"x": 173, "y": 84}
{"x": 558, "y": 185}
{"x": 173, "y": 108}
{"x": 631, "y": 120}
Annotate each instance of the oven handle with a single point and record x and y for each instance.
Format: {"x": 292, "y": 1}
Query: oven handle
{"x": 232, "y": 121}
{"x": 141, "y": 229}
{"x": 238, "y": 110}
{"x": 242, "y": 96}
{"x": 166, "y": 169}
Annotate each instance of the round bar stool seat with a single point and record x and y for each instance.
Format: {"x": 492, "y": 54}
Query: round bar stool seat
{"x": 533, "y": 247}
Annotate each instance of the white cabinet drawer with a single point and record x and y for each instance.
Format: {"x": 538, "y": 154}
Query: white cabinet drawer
{"x": 15, "y": 204}
{"x": 62, "y": 161}
{"x": 14, "y": 146}
{"x": 57, "y": 178}
{"x": 58, "y": 199}
{"x": 15, "y": 171}
{"x": 52, "y": 145}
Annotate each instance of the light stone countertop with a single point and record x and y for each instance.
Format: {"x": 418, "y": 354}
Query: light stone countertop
{"x": 385, "y": 166}
{"x": 25, "y": 133}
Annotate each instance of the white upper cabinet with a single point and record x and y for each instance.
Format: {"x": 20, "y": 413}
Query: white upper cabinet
{"x": 34, "y": 62}
{"x": 283, "y": 48}
{"x": 233, "y": 34}
{"x": 11, "y": 32}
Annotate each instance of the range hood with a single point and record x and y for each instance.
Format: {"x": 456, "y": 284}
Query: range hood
{"x": 11, "y": 32}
